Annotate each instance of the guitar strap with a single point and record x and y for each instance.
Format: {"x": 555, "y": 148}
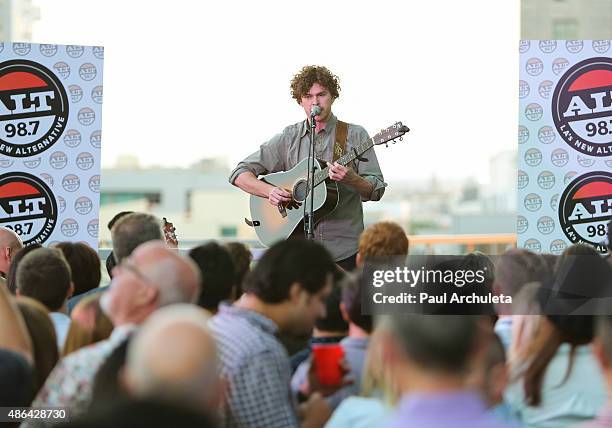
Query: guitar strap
{"x": 341, "y": 136}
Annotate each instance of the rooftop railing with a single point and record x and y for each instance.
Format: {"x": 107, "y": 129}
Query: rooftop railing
{"x": 496, "y": 243}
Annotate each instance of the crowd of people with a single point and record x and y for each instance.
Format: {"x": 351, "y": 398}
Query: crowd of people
{"x": 211, "y": 338}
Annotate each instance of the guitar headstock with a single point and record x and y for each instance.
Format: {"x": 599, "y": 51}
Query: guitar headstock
{"x": 395, "y": 131}
{"x": 170, "y": 234}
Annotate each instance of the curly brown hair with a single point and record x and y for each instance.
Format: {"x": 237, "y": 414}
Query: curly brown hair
{"x": 311, "y": 74}
{"x": 381, "y": 239}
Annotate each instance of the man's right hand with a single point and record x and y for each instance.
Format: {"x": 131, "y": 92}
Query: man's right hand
{"x": 276, "y": 195}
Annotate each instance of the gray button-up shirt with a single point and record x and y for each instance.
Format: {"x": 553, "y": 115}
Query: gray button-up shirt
{"x": 339, "y": 231}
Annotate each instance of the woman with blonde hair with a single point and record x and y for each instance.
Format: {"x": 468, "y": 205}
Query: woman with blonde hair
{"x": 379, "y": 393}
{"x": 89, "y": 324}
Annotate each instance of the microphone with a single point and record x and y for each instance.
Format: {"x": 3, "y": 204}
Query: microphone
{"x": 315, "y": 110}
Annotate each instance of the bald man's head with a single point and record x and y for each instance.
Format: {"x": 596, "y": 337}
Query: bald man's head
{"x": 10, "y": 243}
{"x": 173, "y": 358}
{"x": 177, "y": 277}
{"x": 152, "y": 277}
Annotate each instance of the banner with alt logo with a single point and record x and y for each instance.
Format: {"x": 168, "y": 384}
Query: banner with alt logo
{"x": 50, "y": 140}
{"x": 565, "y": 144}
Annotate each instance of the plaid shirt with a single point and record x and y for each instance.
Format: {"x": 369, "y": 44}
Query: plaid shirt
{"x": 256, "y": 366}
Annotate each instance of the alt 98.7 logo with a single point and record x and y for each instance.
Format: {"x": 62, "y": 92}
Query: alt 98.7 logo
{"x": 582, "y": 107}
{"x": 27, "y": 206}
{"x": 33, "y": 108}
{"x": 585, "y": 209}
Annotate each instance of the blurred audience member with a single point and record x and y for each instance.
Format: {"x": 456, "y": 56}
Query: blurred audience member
{"x": 10, "y": 243}
{"x": 16, "y": 381}
{"x": 150, "y": 414}
{"x": 574, "y": 252}
{"x": 298, "y": 346}
{"x": 331, "y": 328}
{"x": 14, "y": 334}
{"x": 11, "y": 278}
{"x": 549, "y": 388}
{"x": 111, "y": 262}
{"x": 242, "y": 258}
{"x": 44, "y": 275}
{"x": 514, "y": 269}
{"x": 525, "y": 322}
{"x": 132, "y": 230}
{"x": 478, "y": 262}
{"x": 217, "y": 273}
{"x": 152, "y": 277}
{"x": 490, "y": 378}
{"x": 173, "y": 359}
{"x": 89, "y": 324}
{"x": 602, "y": 349}
{"x": 430, "y": 357}
{"x": 382, "y": 239}
{"x": 84, "y": 264}
{"x": 108, "y": 389}
{"x": 44, "y": 341}
{"x": 286, "y": 291}
{"x": 378, "y": 396}
{"x": 551, "y": 261}
{"x": 355, "y": 345}
{"x": 16, "y": 355}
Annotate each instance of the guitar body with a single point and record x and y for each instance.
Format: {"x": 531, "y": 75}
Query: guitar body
{"x": 273, "y": 224}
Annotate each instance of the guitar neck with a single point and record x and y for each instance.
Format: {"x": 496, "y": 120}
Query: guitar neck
{"x": 322, "y": 174}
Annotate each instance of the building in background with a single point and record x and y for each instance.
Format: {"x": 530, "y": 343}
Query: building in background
{"x": 16, "y": 19}
{"x": 566, "y": 19}
{"x": 199, "y": 200}
{"x": 202, "y": 205}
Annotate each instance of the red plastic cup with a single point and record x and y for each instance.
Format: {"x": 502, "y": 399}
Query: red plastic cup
{"x": 327, "y": 358}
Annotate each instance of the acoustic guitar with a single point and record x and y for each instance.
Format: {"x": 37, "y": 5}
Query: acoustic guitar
{"x": 275, "y": 223}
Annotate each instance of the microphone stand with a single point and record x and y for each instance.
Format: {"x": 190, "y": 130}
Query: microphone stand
{"x": 309, "y": 207}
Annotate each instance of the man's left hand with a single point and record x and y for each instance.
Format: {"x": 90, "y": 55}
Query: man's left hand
{"x": 341, "y": 173}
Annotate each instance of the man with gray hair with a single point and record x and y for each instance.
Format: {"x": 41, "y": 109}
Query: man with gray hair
{"x": 173, "y": 359}
{"x": 152, "y": 277}
{"x": 430, "y": 357}
{"x": 132, "y": 230}
{"x": 10, "y": 243}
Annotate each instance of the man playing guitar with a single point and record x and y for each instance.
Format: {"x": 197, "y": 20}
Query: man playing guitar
{"x": 339, "y": 230}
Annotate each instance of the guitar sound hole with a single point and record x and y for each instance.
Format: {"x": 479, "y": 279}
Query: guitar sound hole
{"x": 300, "y": 191}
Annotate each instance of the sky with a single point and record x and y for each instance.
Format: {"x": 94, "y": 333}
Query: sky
{"x": 184, "y": 80}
